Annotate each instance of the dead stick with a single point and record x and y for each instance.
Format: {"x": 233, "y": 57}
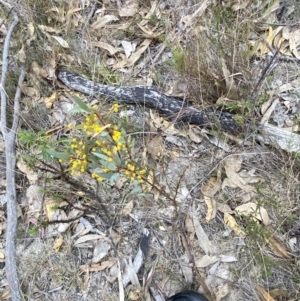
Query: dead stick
{"x": 9, "y": 139}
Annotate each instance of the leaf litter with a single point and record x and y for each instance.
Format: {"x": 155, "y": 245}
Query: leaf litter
{"x": 201, "y": 212}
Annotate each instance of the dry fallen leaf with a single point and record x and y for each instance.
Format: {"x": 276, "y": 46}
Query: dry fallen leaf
{"x": 252, "y": 209}
{"x": 88, "y": 237}
{"x": 96, "y": 267}
{"x": 120, "y": 282}
{"x": 203, "y": 240}
{"x": 268, "y": 110}
{"x": 238, "y": 4}
{"x": 211, "y": 208}
{"x": 30, "y": 91}
{"x": 31, "y": 175}
{"x": 205, "y": 261}
{"x": 58, "y": 243}
{"x": 232, "y": 224}
{"x": 149, "y": 33}
{"x": 63, "y": 43}
{"x": 222, "y": 291}
{"x": 101, "y": 250}
{"x": 34, "y": 199}
{"x": 211, "y": 187}
{"x": 279, "y": 293}
{"x": 38, "y": 71}
{"x": 112, "y": 50}
{"x": 49, "y": 29}
{"x": 165, "y": 127}
{"x": 183, "y": 194}
{"x": 232, "y": 90}
{"x": 155, "y": 147}
{"x": 219, "y": 142}
{"x": 150, "y": 183}
{"x": 224, "y": 208}
{"x": 137, "y": 54}
{"x": 50, "y": 206}
{"x": 265, "y": 294}
{"x": 228, "y": 258}
{"x": 278, "y": 248}
{"x": 62, "y": 227}
{"x": 127, "y": 209}
{"x": 195, "y": 134}
{"x": 189, "y": 226}
{"x": 102, "y": 21}
{"x": 128, "y": 48}
{"x": 135, "y": 295}
{"x": 115, "y": 236}
{"x": 263, "y": 47}
{"x": 84, "y": 285}
{"x": 292, "y": 36}
{"x": 209, "y": 190}
{"x": 21, "y": 56}
{"x": 232, "y": 166}
{"x": 186, "y": 269}
{"x": 50, "y": 100}
{"x": 5, "y": 295}
{"x": 129, "y": 8}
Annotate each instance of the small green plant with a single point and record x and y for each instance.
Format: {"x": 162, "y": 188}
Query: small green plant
{"x": 100, "y": 147}
{"x": 33, "y": 231}
{"x": 31, "y": 140}
{"x": 108, "y": 76}
{"x": 265, "y": 263}
{"x": 178, "y": 59}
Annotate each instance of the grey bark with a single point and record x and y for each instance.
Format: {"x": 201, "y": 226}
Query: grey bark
{"x": 9, "y": 136}
{"x": 172, "y": 107}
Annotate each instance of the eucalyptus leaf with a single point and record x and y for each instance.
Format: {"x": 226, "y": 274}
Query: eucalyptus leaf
{"x": 82, "y": 105}
{"x": 109, "y": 165}
{"x": 46, "y": 156}
{"x": 105, "y": 175}
{"x": 58, "y": 155}
{"x": 101, "y": 156}
{"x": 103, "y": 134}
{"x": 136, "y": 189}
{"x": 117, "y": 159}
{"x": 114, "y": 178}
{"x": 76, "y": 109}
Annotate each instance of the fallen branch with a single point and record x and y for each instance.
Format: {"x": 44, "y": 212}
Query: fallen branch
{"x": 139, "y": 258}
{"x": 279, "y": 138}
{"x": 9, "y": 139}
{"x": 184, "y": 111}
{"x": 147, "y": 96}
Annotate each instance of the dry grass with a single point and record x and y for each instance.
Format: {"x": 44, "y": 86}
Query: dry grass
{"x": 220, "y": 36}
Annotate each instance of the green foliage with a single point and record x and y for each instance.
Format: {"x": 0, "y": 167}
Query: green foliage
{"x": 101, "y": 148}
{"x": 33, "y": 231}
{"x": 37, "y": 141}
{"x": 265, "y": 263}
{"x": 108, "y": 75}
{"x": 178, "y": 59}
{"x": 30, "y": 139}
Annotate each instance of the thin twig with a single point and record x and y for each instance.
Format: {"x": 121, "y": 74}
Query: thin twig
{"x": 5, "y": 56}
{"x": 90, "y": 15}
{"x": 9, "y": 139}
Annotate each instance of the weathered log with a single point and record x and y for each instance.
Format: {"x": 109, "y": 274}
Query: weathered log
{"x": 179, "y": 110}
{"x": 279, "y": 138}
{"x": 149, "y": 97}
